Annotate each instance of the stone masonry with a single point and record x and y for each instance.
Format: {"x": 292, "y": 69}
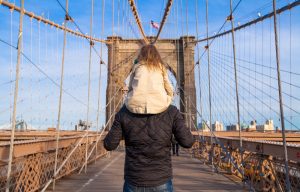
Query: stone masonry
{"x": 177, "y": 55}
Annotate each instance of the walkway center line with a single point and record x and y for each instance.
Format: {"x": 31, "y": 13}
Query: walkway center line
{"x": 100, "y": 172}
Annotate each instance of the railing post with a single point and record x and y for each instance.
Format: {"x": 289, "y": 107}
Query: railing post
{"x": 287, "y": 179}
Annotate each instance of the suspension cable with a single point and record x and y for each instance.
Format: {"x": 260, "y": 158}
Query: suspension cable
{"x": 137, "y": 20}
{"x": 167, "y": 10}
{"x": 51, "y": 23}
{"x": 12, "y": 137}
{"x": 278, "y": 11}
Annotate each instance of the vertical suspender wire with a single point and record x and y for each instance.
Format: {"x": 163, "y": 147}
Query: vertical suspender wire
{"x": 12, "y": 136}
{"x": 57, "y": 60}
{"x": 116, "y": 62}
{"x": 209, "y": 87}
{"x": 235, "y": 76}
{"x": 199, "y": 70}
{"x": 119, "y": 17}
{"x": 262, "y": 62}
{"x": 236, "y": 82}
{"x": 46, "y": 62}
{"x": 244, "y": 56}
{"x": 178, "y": 59}
{"x": 11, "y": 67}
{"x": 112, "y": 60}
{"x": 39, "y": 81}
{"x": 255, "y": 87}
{"x": 270, "y": 65}
{"x": 287, "y": 179}
{"x": 191, "y": 121}
{"x": 99, "y": 85}
{"x": 188, "y": 98}
{"x": 182, "y": 83}
{"x": 89, "y": 85}
{"x": 291, "y": 117}
{"x": 31, "y": 74}
{"x": 123, "y": 18}
{"x": 60, "y": 93}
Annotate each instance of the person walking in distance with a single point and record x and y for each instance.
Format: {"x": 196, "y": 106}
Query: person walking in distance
{"x": 147, "y": 122}
{"x": 175, "y": 146}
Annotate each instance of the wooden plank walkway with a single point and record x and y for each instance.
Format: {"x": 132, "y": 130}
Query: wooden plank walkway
{"x": 107, "y": 175}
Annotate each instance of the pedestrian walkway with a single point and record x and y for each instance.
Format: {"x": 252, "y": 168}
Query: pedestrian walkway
{"x": 107, "y": 175}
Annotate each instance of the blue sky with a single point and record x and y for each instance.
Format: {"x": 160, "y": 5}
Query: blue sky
{"x": 38, "y": 97}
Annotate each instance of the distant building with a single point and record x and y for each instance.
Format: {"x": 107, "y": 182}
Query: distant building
{"x": 21, "y": 125}
{"x": 252, "y": 126}
{"x": 217, "y": 126}
{"x": 232, "y": 127}
{"x": 268, "y": 126}
{"x": 82, "y": 125}
{"x": 203, "y": 126}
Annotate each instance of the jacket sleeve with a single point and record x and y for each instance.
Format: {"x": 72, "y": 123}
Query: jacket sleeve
{"x": 131, "y": 79}
{"x": 182, "y": 134}
{"x": 114, "y": 136}
{"x": 167, "y": 84}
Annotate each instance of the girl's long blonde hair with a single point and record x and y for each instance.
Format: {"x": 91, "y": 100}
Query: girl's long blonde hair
{"x": 150, "y": 57}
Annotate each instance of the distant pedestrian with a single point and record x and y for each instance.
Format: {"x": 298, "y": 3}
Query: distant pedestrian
{"x": 175, "y": 146}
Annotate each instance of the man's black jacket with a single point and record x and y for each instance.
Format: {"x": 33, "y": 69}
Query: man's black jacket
{"x": 148, "y": 143}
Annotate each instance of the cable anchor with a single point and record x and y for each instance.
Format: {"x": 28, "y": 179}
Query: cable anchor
{"x": 229, "y": 18}
{"x": 92, "y": 43}
{"x": 68, "y": 18}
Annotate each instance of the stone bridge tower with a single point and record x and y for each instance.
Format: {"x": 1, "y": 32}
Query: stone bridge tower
{"x": 177, "y": 55}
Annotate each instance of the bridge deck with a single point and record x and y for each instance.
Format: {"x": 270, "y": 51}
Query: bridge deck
{"x": 107, "y": 175}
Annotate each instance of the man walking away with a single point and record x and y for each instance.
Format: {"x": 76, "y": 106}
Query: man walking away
{"x": 148, "y": 140}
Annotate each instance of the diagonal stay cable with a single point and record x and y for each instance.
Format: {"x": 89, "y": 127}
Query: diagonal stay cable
{"x": 100, "y": 135}
{"x": 257, "y": 64}
{"x": 262, "y": 102}
{"x": 262, "y": 82}
{"x": 44, "y": 73}
{"x": 89, "y": 39}
{"x": 213, "y": 38}
{"x": 217, "y": 140}
{"x": 69, "y": 155}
